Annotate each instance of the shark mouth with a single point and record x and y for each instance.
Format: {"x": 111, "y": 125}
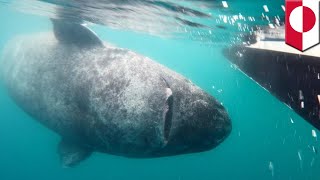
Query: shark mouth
{"x": 167, "y": 113}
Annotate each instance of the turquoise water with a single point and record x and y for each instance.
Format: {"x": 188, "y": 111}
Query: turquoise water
{"x": 264, "y": 143}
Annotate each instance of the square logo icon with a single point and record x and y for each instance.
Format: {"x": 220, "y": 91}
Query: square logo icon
{"x": 302, "y": 23}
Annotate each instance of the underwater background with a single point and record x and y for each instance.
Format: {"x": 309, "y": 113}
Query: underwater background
{"x": 268, "y": 140}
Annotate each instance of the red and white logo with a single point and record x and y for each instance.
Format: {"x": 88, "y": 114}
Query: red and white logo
{"x": 302, "y": 23}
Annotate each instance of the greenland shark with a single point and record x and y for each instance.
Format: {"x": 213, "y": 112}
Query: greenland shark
{"x": 101, "y": 98}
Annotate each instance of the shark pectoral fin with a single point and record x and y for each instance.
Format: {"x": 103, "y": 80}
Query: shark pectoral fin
{"x": 72, "y": 154}
{"x": 74, "y": 33}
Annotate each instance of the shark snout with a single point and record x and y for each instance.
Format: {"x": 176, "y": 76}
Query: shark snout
{"x": 208, "y": 125}
{"x": 198, "y": 124}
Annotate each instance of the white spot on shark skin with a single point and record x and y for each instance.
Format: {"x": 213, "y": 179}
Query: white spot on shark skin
{"x": 168, "y": 92}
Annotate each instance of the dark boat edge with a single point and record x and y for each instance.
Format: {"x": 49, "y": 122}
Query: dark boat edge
{"x": 292, "y": 78}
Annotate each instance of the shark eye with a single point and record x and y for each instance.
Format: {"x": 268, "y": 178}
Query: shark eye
{"x": 167, "y": 113}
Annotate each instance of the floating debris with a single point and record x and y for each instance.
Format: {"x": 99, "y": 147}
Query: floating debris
{"x": 312, "y": 162}
{"x": 225, "y": 19}
{"x": 301, "y": 95}
{"x": 302, "y": 104}
{"x": 283, "y": 8}
{"x": 271, "y": 168}
{"x": 267, "y": 18}
{"x": 225, "y": 4}
{"x": 233, "y": 66}
{"x": 271, "y": 26}
{"x": 319, "y": 99}
{"x": 314, "y": 150}
{"x": 266, "y": 9}
{"x": 299, "y": 155}
{"x": 240, "y": 16}
{"x": 277, "y": 22}
{"x": 291, "y": 120}
{"x": 300, "y": 159}
{"x": 219, "y": 90}
{"x": 314, "y": 134}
